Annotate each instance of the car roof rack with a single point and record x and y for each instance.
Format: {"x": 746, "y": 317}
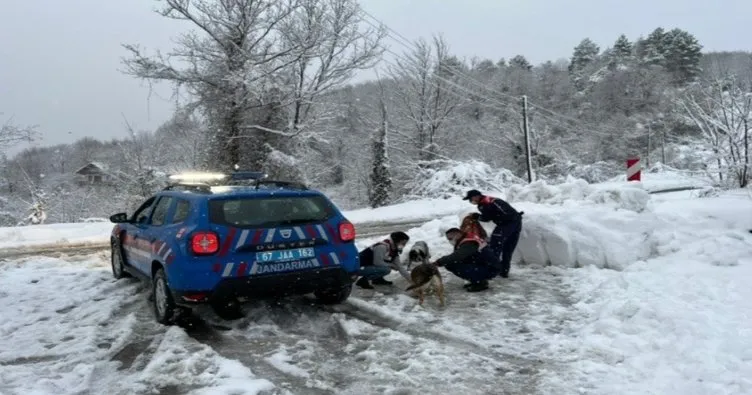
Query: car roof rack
{"x": 250, "y": 179}
{"x": 281, "y": 184}
{"x": 257, "y": 179}
{"x": 189, "y": 187}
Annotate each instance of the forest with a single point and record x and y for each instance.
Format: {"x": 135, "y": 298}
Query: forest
{"x": 270, "y": 88}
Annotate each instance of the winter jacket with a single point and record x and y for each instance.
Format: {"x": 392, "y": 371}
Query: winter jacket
{"x": 385, "y": 254}
{"x": 497, "y": 210}
{"x": 465, "y": 251}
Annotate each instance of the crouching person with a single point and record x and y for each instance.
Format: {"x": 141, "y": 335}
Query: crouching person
{"x": 379, "y": 259}
{"x": 470, "y": 261}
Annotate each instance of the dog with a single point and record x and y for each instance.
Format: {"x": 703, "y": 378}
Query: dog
{"x": 418, "y": 254}
{"x": 423, "y": 276}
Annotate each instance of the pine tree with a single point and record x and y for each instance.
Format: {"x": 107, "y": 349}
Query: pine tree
{"x": 622, "y": 48}
{"x": 381, "y": 180}
{"x": 683, "y": 54}
{"x": 652, "y": 50}
{"x": 585, "y": 53}
{"x": 520, "y": 62}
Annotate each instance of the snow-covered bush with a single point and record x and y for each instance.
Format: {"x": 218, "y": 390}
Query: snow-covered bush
{"x": 282, "y": 166}
{"x": 623, "y": 196}
{"x": 592, "y": 173}
{"x": 451, "y": 178}
{"x": 8, "y": 214}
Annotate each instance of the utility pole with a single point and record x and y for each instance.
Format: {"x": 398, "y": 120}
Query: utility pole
{"x": 526, "y": 131}
{"x": 647, "y": 157}
{"x": 663, "y": 145}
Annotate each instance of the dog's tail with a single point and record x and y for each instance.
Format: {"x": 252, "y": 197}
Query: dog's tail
{"x": 422, "y": 283}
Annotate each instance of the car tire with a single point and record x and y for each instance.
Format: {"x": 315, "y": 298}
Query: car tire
{"x": 335, "y": 296}
{"x": 162, "y": 301}
{"x": 116, "y": 261}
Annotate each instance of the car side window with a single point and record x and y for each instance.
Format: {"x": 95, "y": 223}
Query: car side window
{"x": 182, "y": 210}
{"x": 160, "y": 211}
{"x": 142, "y": 213}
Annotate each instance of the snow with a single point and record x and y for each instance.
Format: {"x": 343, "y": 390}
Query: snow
{"x": 672, "y": 318}
{"x": 53, "y": 234}
{"x": 68, "y": 327}
{"x": 614, "y": 290}
{"x": 678, "y": 322}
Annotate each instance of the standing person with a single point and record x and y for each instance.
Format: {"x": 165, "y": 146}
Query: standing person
{"x": 379, "y": 259}
{"x": 508, "y": 222}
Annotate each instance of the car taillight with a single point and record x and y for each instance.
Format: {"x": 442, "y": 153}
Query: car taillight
{"x": 204, "y": 243}
{"x": 346, "y": 231}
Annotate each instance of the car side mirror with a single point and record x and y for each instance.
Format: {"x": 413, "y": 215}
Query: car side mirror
{"x": 119, "y": 218}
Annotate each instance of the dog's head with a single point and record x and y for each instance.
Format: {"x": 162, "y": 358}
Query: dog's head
{"x": 418, "y": 252}
{"x": 417, "y": 256}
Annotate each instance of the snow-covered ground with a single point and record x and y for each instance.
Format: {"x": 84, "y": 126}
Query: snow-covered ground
{"x": 614, "y": 291}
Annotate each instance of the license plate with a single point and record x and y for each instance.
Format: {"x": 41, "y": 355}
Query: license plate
{"x": 295, "y": 254}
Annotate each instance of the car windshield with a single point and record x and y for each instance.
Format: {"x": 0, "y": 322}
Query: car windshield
{"x": 257, "y": 212}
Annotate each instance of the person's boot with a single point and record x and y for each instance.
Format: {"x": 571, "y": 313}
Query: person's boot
{"x": 363, "y": 283}
{"x": 381, "y": 281}
{"x": 477, "y": 287}
{"x": 504, "y": 274}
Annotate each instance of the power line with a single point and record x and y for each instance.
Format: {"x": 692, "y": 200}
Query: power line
{"x": 401, "y": 39}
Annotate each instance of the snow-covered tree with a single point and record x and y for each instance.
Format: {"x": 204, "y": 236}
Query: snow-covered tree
{"x": 38, "y": 210}
{"x": 426, "y": 83}
{"x": 249, "y": 61}
{"x": 585, "y": 54}
{"x": 381, "y": 180}
{"x": 520, "y": 62}
{"x": 683, "y": 54}
{"x": 12, "y": 134}
{"x": 722, "y": 111}
{"x": 621, "y": 53}
{"x": 652, "y": 50}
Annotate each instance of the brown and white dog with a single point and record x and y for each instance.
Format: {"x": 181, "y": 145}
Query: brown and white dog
{"x": 424, "y": 276}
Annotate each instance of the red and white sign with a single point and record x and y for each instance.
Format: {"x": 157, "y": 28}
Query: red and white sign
{"x": 633, "y": 169}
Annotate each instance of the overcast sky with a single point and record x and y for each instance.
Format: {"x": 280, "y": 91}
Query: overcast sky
{"x": 59, "y": 60}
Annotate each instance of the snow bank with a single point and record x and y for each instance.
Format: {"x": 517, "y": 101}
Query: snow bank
{"x": 38, "y": 235}
{"x": 573, "y": 236}
{"x": 625, "y": 195}
{"x": 677, "y": 323}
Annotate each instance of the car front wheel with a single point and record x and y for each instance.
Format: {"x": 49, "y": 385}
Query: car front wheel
{"x": 164, "y": 304}
{"x": 335, "y": 296}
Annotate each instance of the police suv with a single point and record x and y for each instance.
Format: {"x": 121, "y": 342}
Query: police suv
{"x": 224, "y": 238}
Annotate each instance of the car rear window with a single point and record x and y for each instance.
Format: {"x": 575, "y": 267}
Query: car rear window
{"x": 258, "y": 212}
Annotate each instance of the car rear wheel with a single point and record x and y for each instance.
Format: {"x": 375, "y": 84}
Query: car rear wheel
{"x": 116, "y": 261}
{"x": 335, "y": 296}
{"x": 163, "y": 303}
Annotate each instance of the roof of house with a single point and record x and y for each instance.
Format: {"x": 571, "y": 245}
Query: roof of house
{"x": 100, "y": 166}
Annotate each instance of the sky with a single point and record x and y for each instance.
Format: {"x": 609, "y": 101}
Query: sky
{"x": 60, "y": 60}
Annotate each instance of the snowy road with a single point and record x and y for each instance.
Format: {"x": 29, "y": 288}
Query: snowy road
{"x": 74, "y": 330}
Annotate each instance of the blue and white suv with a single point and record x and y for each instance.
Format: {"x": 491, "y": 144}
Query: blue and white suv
{"x": 220, "y": 239}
